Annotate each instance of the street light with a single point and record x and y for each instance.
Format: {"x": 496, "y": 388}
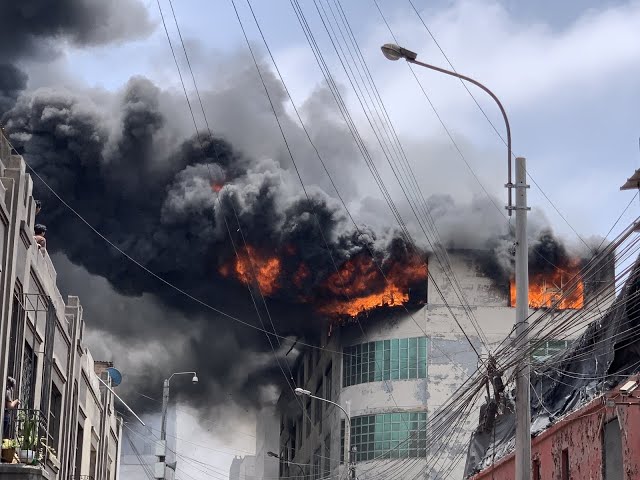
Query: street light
{"x": 161, "y": 449}
{"x": 299, "y": 465}
{"x": 349, "y": 458}
{"x": 523, "y": 409}
{"x": 394, "y": 52}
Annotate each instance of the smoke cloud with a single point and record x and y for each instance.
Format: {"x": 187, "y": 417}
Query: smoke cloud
{"x": 39, "y": 29}
{"x": 182, "y": 206}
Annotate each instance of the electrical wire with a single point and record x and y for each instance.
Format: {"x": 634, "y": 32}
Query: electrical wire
{"x": 563, "y": 217}
{"x": 370, "y": 115}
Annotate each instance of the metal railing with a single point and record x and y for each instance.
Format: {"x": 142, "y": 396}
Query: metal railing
{"x": 28, "y": 430}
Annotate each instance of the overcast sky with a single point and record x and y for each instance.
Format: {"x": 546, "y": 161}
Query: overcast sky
{"x": 567, "y": 73}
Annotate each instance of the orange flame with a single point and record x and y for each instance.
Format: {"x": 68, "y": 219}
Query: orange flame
{"x": 545, "y": 289}
{"x": 216, "y": 187}
{"x": 359, "y": 286}
{"x": 302, "y": 273}
{"x": 266, "y": 269}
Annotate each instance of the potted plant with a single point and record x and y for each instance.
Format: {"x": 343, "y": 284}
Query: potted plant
{"x": 9, "y": 450}
{"x": 28, "y": 441}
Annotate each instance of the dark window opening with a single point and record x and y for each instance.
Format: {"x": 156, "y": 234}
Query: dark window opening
{"x": 564, "y": 465}
{"x": 28, "y": 383}
{"x": 612, "y": 446}
{"x": 307, "y": 416}
{"x": 317, "y": 411}
{"x": 536, "y": 469}
{"x": 328, "y": 383}
{"x": 17, "y": 332}
{"x": 54, "y": 417}
{"x": 92, "y": 462}
{"x": 79, "y": 442}
{"x": 327, "y": 456}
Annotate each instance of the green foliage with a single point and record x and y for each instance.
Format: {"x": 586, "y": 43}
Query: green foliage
{"x": 9, "y": 443}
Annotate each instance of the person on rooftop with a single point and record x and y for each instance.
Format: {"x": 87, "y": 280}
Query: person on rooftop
{"x": 38, "y": 206}
{"x": 40, "y": 231}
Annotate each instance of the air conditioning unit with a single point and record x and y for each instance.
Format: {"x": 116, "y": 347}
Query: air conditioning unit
{"x": 628, "y": 387}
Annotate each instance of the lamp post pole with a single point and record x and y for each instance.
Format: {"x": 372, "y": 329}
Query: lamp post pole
{"x": 161, "y": 449}
{"x": 523, "y": 407}
{"x": 349, "y": 454}
{"x": 275, "y": 455}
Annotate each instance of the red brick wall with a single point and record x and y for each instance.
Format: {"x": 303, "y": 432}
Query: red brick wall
{"x": 581, "y": 434}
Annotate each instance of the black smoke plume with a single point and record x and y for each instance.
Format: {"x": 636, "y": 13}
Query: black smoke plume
{"x": 37, "y": 30}
{"x": 182, "y": 208}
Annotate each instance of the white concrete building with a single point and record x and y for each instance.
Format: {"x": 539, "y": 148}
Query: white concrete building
{"x": 243, "y": 468}
{"x": 267, "y": 440}
{"x": 395, "y": 371}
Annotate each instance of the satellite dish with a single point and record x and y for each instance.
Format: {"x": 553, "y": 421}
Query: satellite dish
{"x": 116, "y": 376}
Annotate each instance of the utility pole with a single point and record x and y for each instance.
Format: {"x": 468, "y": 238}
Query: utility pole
{"x": 161, "y": 448}
{"x": 160, "y": 469}
{"x": 523, "y": 400}
{"x": 351, "y": 459}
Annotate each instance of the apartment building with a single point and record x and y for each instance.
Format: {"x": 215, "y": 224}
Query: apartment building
{"x": 66, "y": 426}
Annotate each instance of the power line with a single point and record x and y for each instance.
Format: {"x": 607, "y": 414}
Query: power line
{"x": 494, "y": 127}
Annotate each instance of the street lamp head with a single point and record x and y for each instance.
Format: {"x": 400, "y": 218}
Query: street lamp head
{"x": 394, "y": 52}
{"x": 194, "y": 380}
{"x": 302, "y": 392}
{"x": 274, "y": 455}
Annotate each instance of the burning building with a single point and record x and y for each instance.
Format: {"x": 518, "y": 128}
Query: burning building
{"x": 397, "y": 363}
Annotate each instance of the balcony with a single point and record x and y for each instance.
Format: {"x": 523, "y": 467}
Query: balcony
{"x": 25, "y": 449}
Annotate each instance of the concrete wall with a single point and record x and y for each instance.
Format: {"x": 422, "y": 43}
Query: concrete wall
{"x": 33, "y": 315}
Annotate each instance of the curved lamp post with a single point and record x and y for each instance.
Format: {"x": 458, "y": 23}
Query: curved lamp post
{"x": 523, "y": 409}
{"x": 348, "y": 454}
{"x": 160, "y": 473}
{"x": 299, "y": 465}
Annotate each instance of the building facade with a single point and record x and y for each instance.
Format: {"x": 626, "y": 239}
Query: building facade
{"x": 598, "y": 441}
{"x": 243, "y": 468}
{"x": 394, "y": 369}
{"x": 267, "y": 440}
{"x": 66, "y": 418}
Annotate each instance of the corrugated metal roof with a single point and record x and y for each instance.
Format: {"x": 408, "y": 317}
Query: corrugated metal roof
{"x": 633, "y": 182}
